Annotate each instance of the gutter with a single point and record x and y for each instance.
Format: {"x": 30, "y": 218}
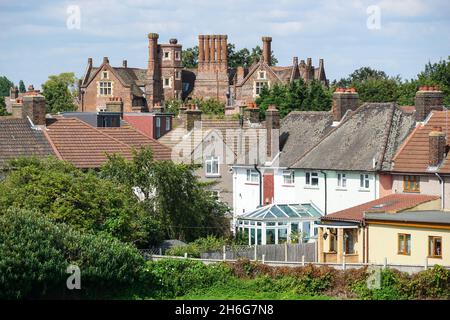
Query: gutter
{"x": 441, "y": 180}
{"x": 326, "y": 193}
{"x": 260, "y": 184}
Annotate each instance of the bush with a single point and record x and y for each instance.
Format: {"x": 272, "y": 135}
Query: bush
{"x": 172, "y": 278}
{"x": 211, "y": 106}
{"x": 431, "y": 283}
{"x": 34, "y": 255}
{"x": 195, "y": 248}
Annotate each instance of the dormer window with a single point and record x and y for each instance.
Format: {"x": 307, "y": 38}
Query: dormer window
{"x": 105, "y": 75}
{"x": 261, "y": 75}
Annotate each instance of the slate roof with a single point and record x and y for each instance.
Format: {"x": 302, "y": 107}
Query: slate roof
{"x": 391, "y": 203}
{"x": 17, "y": 139}
{"x": 373, "y": 131}
{"x": 414, "y": 154}
{"x": 87, "y": 147}
{"x": 427, "y": 216}
{"x": 299, "y": 131}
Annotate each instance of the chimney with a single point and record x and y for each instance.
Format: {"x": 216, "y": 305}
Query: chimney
{"x": 251, "y": 113}
{"x": 273, "y": 131}
{"x": 193, "y": 115}
{"x": 125, "y": 63}
{"x": 240, "y": 74}
{"x": 114, "y": 104}
{"x": 428, "y": 98}
{"x": 437, "y": 146}
{"x": 267, "y": 50}
{"x": 14, "y": 93}
{"x": 105, "y": 60}
{"x": 295, "y": 61}
{"x": 34, "y": 107}
{"x": 344, "y": 100}
{"x": 90, "y": 62}
{"x": 17, "y": 108}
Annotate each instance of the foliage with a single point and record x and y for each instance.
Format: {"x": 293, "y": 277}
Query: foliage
{"x": 60, "y": 93}
{"x": 35, "y": 252}
{"x": 3, "y": 111}
{"x": 189, "y": 57}
{"x": 172, "y": 195}
{"x": 437, "y": 73}
{"x": 295, "y": 96}
{"x": 210, "y": 106}
{"x": 22, "y": 88}
{"x": 172, "y": 278}
{"x": 5, "y": 86}
{"x": 173, "y": 106}
{"x": 241, "y": 237}
{"x": 195, "y": 248}
{"x": 80, "y": 199}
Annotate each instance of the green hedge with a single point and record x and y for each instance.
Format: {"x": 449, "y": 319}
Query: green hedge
{"x": 35, "y": 252}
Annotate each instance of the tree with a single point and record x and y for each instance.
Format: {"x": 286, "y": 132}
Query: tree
{"x": 80, "y": 199}
{"x": 189, "y": 57}
{"x": 5, "y": 86}
{"x": 22, "y": 88}
{"x": 172, "y": 194}
{"x": 437, "y": 74}
{"x": 60, "y": 93}
{"x": 295, "y": 96}
{"x": 210, "y": 106}
{"x": 3, "y": 111}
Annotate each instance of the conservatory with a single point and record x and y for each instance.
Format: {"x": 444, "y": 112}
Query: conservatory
{"x": 279, "y": 223}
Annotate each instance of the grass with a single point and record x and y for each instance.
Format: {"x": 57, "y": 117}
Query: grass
{"x": 240, "y": 289}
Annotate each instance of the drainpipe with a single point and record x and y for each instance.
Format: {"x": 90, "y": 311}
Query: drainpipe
{"x": 260, "y": 185}
{"x": 325, "y": 176}
{"x": 442, "y": 190}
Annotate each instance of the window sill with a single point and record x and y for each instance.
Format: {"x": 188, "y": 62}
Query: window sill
{"x": 363, "y": 190}
{"x": 403, "y": 254}
{"x": 312, "y": 187}
{"x": 341, "y": 189}
{"x": 288, "y": 185}
{"x": 252, "y": 183}
{"x": 411, "y": 191}
{"x": 434, "y": 257}
{"x": 213, "y": 176}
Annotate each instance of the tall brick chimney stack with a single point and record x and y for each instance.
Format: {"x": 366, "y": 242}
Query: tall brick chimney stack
{"x": 428, "y": 98}
{"x": 437, "y": 146}
{"x": 273, "y": 131}
{"x": 17, "y": 108}
{"x": 267, "y": 50}
{"x": 251, "y": 113}
{"x": 152, "y": 86}
{"x": 344, "y": 100}
{"x": 193, "y": 116}
{"x": 13, "y": 93}
{"x": 34, "y": 106}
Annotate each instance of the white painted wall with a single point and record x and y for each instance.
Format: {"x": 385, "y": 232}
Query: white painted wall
{"x": 245, "y": 194}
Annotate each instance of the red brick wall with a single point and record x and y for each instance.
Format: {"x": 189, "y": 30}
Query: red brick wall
{"x": 143, "y": 124}
{"x": 268, "y": 188}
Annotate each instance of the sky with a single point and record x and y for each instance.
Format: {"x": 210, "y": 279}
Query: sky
{"x": 41, "y": 38}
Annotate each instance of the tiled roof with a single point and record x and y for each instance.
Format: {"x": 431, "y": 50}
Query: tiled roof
{"x": 135, "y": 139}
{"x": 414, "y": 154}
{"x": 390, "y": 203}
{"x": 17, "y": 139}
{"x": 374, "y": 131}
{"x": 87, "y": 147}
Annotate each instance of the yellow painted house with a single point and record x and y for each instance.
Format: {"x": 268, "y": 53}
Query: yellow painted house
{"x": 398, "y": 229}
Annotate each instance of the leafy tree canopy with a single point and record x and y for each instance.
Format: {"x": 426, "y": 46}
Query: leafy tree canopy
{"x": 5, "y": 85}
{"x": 22, "y": 88}
{"x": 60, "y": 93}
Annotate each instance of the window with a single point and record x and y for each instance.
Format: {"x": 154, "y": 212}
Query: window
{"x": 404, "y": 243}
{"x": 167, "y": 83}
{"x": 166, "y": 55}
{"x": 105, "y": 75}
{"x": 312, "y": 179}
{"x": 105, "y": 88}
{"x": 411, "y": 183}
{"x": 259, "y": 85}
{"x": 262, "y": 75}
{"x": 252, "y": 175}
{"x": 158, "y": 127}
{"x": 342, "y": 180}
{"x": 364, "y": 181}
{"x": 332, "y": 243}
{"x": 288, "y": 177}
{"x": 167, "y": 123}
{"x": 177, "y": 55}
{"x": 177, "y": 75}
{"x": 435, "y": 247}
{"x": 212, "y": 166}
{"x": 349, "y": 238}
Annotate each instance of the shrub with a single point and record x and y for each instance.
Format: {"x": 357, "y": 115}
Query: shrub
{"x": 195, "y": 248}
{"x": 172, "y": 278}
{"x": 431, "y": 283}
{"x": 34, "y": 255}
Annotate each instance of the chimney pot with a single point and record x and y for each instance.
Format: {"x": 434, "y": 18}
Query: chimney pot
{"x": 125, "y": 63}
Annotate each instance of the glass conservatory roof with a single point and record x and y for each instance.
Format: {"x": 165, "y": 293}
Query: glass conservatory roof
{"x": 283, "y": 211}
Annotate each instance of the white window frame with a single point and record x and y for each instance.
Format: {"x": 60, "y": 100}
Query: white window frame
{"x": 252, "y": 176}
{"x": 211, "y": 162}
{"x": 342, "y": 180}
{"x": 168, "y": 55}
{"x": 263, "y": 73}
{"x": 288, "y": 177}
{"x": 105, "y": 75}
{"x": 310, "y": 177}
{"x": 170, "y": 82}
{"x": 364, "y": 181}
{"x": 178, "y": 55}
{"x": 258, "y": 88}
{"x": 105, "y": 90}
